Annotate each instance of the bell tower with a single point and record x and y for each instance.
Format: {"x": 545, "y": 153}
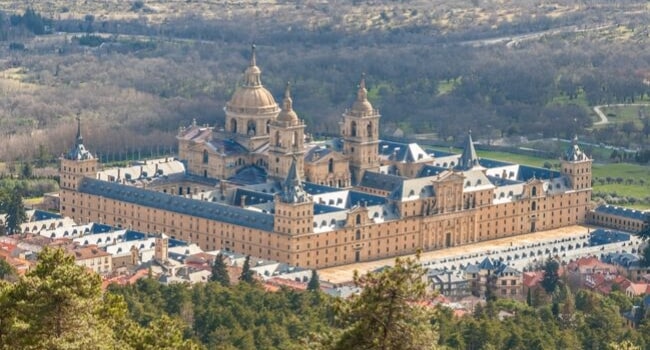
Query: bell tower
{"x": 286, "y": 141}
{"x": 576, "y": 166}
{"x": 360, "y": 133}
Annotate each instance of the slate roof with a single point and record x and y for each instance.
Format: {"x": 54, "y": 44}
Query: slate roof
{"x": 227, "y": 147}
{"x": 252, "y": 197}
{"x": 601, "y": 236}
{"x": 469, "y": 158}
{"x": 402, "y": 152}
{"x": 430, "y": 170}
{"x": 526, "y": 173}
{"x": 313, "y": 188}
{"x": 386, "y": 182}
{"x": 316, "y": 153}
{"x": 249, "y": 175}
{"x": 158, "y": 200}
{"x": 623, "y": 212}
{"x": 44, "y": 215}
{"x": 361, "y": 198}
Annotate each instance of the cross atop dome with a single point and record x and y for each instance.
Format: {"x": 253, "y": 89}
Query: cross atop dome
{"x": 252, "y": 75}
{"x": 287, "y": 114}
{"x": 362, "y": 106}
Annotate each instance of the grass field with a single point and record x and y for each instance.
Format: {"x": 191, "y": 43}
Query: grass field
{"x": 624, "y": 114}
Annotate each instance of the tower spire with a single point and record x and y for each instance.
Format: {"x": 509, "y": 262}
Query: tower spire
{"x": 252, "y": 75}
{"x": 253, "y": 59}
{"x": 292, "y": 191}
{"x": 287, "y": 103}
{"x": 362, "y": 94}
{"x": 80, "y": 138}
{"x": 469, "y": 158}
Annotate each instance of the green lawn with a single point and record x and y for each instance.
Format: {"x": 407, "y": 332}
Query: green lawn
{"x": 516, "y": 158}
{"x": 623, "y": 114}
{"x": 580, "y": 100}
{"x": 445, "y": 87}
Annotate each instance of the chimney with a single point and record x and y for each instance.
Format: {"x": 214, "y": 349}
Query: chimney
{"x": 119, "y": 174}
{"x": 242, "y": 201}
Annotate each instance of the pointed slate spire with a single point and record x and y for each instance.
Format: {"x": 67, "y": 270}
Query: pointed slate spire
{"x": 469, "y": 158}
{"x": 78, "y": 151}
{"x": 80, "y": 139}
{"x": 574, "y": 153}
{"x": 292, "y": 191}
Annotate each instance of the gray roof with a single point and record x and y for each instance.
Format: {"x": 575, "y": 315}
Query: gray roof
{"x": 386, "y": 182}
{"x": 163, "y": 201}
{"x": 249, "y": 175}
{"x": 574, "y": 153}
{"x": 623, "y": 212}
{"x": 469, "y": 158}
{"x": 292, "y": 191}
{"x": 316, "y": 153}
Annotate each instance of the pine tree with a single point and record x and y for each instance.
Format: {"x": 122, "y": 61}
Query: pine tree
{"x": 56, "y": 306}
{"x": 314, "y": 283}
{"x": 220, "y": 271}
{"x": 11, "y": 203}
{"x": 247, "y": 273}
{"x": 388, "y": 314}
{"x": 551, "y": 276}
{"x": 529, "y": 298}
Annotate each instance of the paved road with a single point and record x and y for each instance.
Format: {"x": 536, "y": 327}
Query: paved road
{"x": 603, "y": 118}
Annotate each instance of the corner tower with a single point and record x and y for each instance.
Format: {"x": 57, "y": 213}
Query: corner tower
{"x": 576, "y": 166}
{"x": 286, "y": 141}
{"x": 76, "y": 164}
{"x": 294, "y": 207}
{"x": 360, "y": 133}
{"x": 251, "y": 109}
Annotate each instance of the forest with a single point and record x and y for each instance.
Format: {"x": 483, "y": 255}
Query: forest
{"x": 59, "y": 305}
{"x": 136, "y": 73}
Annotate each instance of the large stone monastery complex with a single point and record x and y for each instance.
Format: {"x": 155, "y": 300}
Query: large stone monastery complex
{"x": 257, "y": 185}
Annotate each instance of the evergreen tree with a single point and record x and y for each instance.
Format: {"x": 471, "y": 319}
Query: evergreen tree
{"x": 11, "y": 203}
{"x": 387, "y": 313}
{"x": 26, "y": 171}
{"x": 247, "y": 273}
{"x": 6, "y": 269}
{"x": 529, "y": 298}
{"x": 220, "y": 271}
{"x": 551, "y": 277}
{"x": 56, "y": 306}
{"x": 314, "y": 283}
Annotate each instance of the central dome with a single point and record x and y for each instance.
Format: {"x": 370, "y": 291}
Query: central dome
{"x": 251, "y": 96}
{"x": 252, "y": 100}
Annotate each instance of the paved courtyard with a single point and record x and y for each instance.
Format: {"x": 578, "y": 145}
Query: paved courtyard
{"x": 520, "y": 252}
